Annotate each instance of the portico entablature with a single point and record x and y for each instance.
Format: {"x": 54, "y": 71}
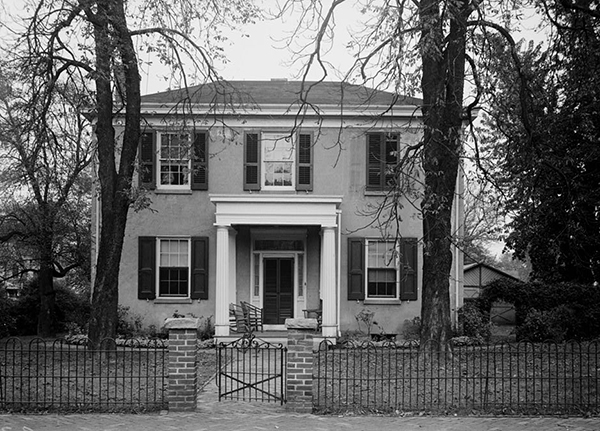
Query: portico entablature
{"x": 276, "y": 209}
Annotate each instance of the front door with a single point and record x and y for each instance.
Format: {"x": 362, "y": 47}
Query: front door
{"x": 278, "y": 303}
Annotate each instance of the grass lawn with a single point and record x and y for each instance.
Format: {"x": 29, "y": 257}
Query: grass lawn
{"x": 51, "y": 375}
{"x": 506, "y": 379}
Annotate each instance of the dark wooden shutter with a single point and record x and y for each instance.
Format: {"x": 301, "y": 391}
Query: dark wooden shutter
{"x": 252, "y": 162}
{"x": 199, "y": 287}
{"x": 304, "y": 173}
{"x": 408, "y": 269}
{"x": 356, "y": 268}
{"x": 147, "y": 165}
{"x": 146, "y": 267}
{"x": 374, "y": 162}
{"x": 200, "y": 162}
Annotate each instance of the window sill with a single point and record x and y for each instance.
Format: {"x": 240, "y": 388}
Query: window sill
{"x": 172, "y": 192}
{"x": 376, "y": 192}
{"x": 382, "y": 302}
{"x": 173, "y": 301}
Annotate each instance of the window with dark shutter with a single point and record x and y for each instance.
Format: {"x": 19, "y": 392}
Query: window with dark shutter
{"x": 200, "y": 162}
{"x": 146, "y": 267}
{"x": 147, "y": 160}
{"x": 304, "y": 179}
{"x": 199, "y": 268}
{"x": 251, "y": 162}
{"x": 356, "y": 269}
{"x": 408, "y": 269}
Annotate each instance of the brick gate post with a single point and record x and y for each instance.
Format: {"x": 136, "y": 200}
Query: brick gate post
{"x": 299, "y": 384}
{"x": 183, "y": 374}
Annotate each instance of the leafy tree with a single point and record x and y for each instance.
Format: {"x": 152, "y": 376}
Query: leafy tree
{"x": 549, "y": 168}
{"x": 44, "y": 217}
{"x": 97, "y": 44}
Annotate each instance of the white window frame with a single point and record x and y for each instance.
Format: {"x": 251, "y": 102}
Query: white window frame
{"x": 367, "y": 267}
{"x": 270, "y": 140}
{"x": 189, "y": 266}
{"x": 159, "y": 164}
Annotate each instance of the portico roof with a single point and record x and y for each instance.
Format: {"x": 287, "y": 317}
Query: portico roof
{"x": 276, "y": 209}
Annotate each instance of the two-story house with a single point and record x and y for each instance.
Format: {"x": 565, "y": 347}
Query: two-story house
{"x": 257, "y": 197}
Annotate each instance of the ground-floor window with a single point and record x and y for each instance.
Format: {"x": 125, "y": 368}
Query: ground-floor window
{"x": 174, "y": 268}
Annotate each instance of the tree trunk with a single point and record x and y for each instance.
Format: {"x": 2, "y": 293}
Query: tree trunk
{"x": 112, "y": 40}
{"x": 442, "y": 85}
{"x": 47, "y": 313}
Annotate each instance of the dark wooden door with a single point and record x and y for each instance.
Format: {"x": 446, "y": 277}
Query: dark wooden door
{"x": 278, "y": 288}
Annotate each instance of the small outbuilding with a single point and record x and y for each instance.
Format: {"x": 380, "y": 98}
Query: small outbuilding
{"x": 478, "y": 275}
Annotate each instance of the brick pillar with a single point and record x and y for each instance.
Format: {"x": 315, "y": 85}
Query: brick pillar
{"x": 183, "y": 376}
{"x": 299, "y": 382}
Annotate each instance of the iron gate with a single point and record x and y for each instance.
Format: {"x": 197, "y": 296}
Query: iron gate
{"x": 251, "y": 369}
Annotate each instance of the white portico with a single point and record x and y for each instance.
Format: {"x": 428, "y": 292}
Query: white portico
{"x": 280, "y": 257}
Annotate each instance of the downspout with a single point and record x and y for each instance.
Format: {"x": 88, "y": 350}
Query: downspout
{"x": 339, "y": 271}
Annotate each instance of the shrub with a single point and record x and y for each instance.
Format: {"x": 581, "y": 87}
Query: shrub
{"x": 474, "y": 323}
{"x": 129, "y": 324}
{"x": 8, "y": 323}
{"x": 411, "y": 329}
{"x": 547, "y": 325}
{"x": 576, "y": 305}
{"x": 206, "y": 329}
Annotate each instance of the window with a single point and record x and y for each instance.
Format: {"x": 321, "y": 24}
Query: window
{"x": 382, "y": 158}
{"x": 381, "y": 270}
{"x": 173, "y": 268}
{"x": 278, "y": 161}
{"x": 174, "y": 161}
{"x": 275, "y": 161}
{"x": 171, "y": 161}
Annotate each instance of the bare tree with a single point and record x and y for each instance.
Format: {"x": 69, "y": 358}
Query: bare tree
{"x": 99, "y": 43}
{"x": 43, "y": 162}
{"x": 428, "y": 48}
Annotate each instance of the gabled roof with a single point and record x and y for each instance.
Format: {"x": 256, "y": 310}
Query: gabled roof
{"x": 473, "y": 266}
{"x": 280, "y": 92}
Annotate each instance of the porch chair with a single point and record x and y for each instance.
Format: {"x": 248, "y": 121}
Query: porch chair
{"x": 237, "y": 321}
{"x": 253, "y": 316}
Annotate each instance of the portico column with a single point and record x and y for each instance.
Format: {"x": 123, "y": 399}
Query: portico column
{"x": 222, "y": 283}
{"x": 328, "y": 286}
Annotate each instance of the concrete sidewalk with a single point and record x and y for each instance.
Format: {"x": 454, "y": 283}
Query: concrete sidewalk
{"x": 279, "y": 420}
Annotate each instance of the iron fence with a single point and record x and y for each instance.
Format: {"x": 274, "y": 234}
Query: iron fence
{"x": 251, "y": 369}
{"x": 522, "y": 378}
{"x": 59, "y": 376}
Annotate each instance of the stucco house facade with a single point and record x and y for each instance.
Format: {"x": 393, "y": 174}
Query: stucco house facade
{"x": 259, "y": 197}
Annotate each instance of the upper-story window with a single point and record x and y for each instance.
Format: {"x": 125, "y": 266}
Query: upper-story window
{"x": 173, "y": 161}
{"x": 382, "y": 159}
{"x": 277, "y": 161}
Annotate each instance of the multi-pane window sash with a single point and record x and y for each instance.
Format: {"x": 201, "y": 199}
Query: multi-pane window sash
{"x": 173, "y": 271}
{"x": 382, "y": 270}
{"x": 382, "y": 159}
{"x": 174, "y": 159}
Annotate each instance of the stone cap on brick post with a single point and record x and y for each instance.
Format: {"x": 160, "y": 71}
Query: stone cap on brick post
{"x": 181, "y": 323}
{"x": 183, "y": 374}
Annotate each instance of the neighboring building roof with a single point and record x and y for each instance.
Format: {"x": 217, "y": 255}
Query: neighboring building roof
{"x": 237, "y": 93}
{"x": 480, "y": 274}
